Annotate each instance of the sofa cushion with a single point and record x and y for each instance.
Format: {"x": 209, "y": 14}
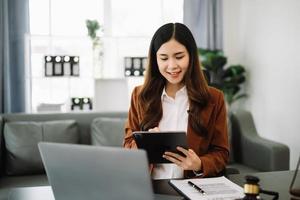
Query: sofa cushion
{"x": 21, "y": 139}
{"x": 107, "y": 131}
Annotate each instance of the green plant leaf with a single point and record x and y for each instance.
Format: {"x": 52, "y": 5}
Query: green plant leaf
{"x": 239, "y": 97}
{"x": 234, "y": 70}
{"x": 92, "y": 26}
{"x": 228, "y": 79}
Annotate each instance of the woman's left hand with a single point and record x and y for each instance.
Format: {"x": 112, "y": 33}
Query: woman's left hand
{"x": 190, "y": 162}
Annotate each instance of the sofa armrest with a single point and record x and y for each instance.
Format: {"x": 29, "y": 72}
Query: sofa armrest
{"x": 265, "y": 155}
{"x": 1, "y": 145}
{"x": 254, "y": 151}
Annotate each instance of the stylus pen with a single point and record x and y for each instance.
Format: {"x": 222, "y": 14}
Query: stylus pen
{"x": 196, "y": 187}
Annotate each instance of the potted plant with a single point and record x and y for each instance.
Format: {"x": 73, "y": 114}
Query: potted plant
{"x": 228, "y": 79}
{"x": 93, "y": 27}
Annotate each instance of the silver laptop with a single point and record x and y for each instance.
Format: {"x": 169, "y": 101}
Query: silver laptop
{"x": 78, "y": 172}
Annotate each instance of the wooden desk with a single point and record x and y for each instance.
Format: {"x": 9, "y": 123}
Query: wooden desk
{"x": 45, "y": 193}
{"x": 278, "y": 181}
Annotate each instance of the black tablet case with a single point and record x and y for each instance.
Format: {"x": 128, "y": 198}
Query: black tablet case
{"x": 156, "y": 143}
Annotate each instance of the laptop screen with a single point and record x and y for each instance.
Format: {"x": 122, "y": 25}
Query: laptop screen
{"x": 88, "y": 172}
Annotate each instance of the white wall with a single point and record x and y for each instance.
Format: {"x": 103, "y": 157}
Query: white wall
{"x": 264, "y": 36}
{"x": 114, "y": 94}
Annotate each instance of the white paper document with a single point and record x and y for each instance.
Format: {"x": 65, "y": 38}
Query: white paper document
{"x": 219, "y": 188}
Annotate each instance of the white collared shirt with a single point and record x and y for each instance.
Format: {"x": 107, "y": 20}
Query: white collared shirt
{"x": 175, "y": 118}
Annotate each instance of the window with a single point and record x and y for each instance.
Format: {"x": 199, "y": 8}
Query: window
{"x": 58, "y": 28}
{"x": 63, "y": 17}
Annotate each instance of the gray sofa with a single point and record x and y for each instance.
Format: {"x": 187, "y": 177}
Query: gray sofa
{"x": 252, "y": 153}
{"x": 20, "y": 133}
{"x": 85, "y": 124}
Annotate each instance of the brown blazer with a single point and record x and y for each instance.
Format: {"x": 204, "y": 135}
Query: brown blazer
{"x": 213, "y": 150}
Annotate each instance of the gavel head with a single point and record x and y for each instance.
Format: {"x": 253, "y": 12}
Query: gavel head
{"x": 251, "y": 187}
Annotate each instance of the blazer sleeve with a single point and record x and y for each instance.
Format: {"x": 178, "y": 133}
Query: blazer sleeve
{"x": 215, "y": 160}
{"x": 132, "y": 123}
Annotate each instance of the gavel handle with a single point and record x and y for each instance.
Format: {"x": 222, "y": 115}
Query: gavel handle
{"x": 275, "y": 194}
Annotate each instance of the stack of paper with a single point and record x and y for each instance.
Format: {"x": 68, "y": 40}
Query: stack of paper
{"x": 219, "y": 188}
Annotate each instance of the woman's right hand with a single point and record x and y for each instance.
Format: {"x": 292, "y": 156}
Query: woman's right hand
{"x": 155, "y": 129}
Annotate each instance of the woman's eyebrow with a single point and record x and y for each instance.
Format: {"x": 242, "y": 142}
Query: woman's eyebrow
{"x": 181, "y": 52}
{"x": 163, "y": 54}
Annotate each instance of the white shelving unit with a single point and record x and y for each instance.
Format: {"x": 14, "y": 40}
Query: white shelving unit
{"x": 47, "y": 91}
{"x": 55, "y": 93}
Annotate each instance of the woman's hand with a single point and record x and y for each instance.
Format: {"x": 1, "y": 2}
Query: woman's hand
{"x": 155, "y": 129}
{"x": 190, "y": 162}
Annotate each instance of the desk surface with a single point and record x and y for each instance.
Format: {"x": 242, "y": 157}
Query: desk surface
{"x": 278, "y": 181}
{"x": 275, "y": 181}
{"x": 45, "y": 193}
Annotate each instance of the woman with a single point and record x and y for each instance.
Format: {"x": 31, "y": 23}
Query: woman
{"x": 175, "y": 97}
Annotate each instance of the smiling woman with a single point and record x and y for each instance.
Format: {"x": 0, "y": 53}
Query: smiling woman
{"x": 173, "y": 61}
{"x": 175, "y": 97}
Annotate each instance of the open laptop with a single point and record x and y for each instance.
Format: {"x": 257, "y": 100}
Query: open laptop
{"x": 78, "y": 172}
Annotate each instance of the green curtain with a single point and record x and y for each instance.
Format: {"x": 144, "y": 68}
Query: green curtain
{"x": 14, "y": 24}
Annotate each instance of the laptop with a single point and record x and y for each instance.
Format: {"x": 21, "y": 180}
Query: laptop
{"x": 78, "y": 172}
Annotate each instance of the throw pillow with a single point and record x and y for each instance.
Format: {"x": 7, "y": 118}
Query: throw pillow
{"x": 21, "y": 139}
{"x": 107, "y": 131}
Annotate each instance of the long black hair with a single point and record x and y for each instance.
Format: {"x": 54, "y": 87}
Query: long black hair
{"x": 194, "y": 80}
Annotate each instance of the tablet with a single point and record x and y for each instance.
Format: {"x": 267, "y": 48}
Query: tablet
{"x": 156, "y": 143}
